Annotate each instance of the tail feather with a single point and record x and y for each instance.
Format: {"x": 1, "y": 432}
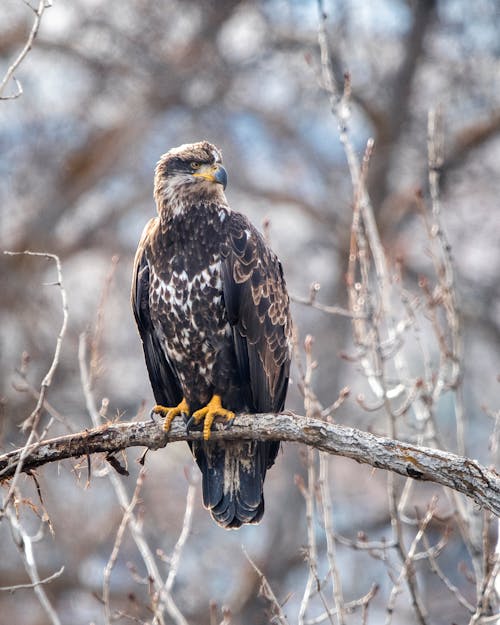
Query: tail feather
{"x": 233, "y": 479}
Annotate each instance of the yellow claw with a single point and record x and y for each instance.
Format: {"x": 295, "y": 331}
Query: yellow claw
{"x": 171, "y": 413}
{"x": 208, "y": 413}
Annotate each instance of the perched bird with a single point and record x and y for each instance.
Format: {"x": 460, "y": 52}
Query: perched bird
{"x": 211, "y": 305}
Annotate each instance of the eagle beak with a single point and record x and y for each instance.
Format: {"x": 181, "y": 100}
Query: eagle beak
{"x": 213, "y": 173}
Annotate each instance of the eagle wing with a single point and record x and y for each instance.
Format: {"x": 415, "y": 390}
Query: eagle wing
{"x": 166, "y": 387}
{"x": 257, "y": 306}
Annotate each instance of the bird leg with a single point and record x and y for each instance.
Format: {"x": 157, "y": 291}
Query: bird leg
{"x": 171, "y": 413}
{"x": 208, "y": 413}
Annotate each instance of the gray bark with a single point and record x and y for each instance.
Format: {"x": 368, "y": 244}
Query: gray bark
{"x": 462, "y": 474}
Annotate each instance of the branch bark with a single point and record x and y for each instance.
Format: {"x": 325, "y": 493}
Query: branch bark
{"x": 462, "y": 474}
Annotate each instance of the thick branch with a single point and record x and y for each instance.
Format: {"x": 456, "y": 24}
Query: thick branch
{"x": 462, "y": 474}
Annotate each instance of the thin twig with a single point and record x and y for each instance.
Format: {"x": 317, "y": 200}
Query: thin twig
{"x": 34, "y": 392}
{"x": 446, "y": 274}
{"x": 45, "y": 580}
{"x": 32, "y": 420}
{"x": 183, "y": 536}
{"x": 446, "y": 581}
{"x": 308, "y": 491}
{"x": 47, "y": 380}
{"x": 127, "y": 514}
{"x": 331, "y": 310}
{"x": 406, "y": 557}
{"x": 42, "y": 5}
{"x": 312, "y": 558}
{"x": 267, "y": 592}
{"x": 326, "y": 502}
{"x": 488, "y": 587}
{"x": 408, "y": 564}
{"x": 24, "y": 544}
{"x": 350, "y": 606}
{"x": 95, "y": 339}
{"x": 164, "y": 598}
{"x": 444, "y": 297}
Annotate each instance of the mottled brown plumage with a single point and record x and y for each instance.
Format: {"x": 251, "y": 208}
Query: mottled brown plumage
{"x": 212, "y": 310}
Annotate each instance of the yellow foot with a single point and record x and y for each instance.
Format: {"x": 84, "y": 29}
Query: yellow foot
{"x": 171, "y": 413}
{"x": 209, "y": 412}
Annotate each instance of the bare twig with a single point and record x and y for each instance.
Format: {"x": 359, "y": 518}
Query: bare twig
{"x": 95, "y": 339}
{"x": 45, "y": 580}
{"x": 27, "y": 387}
{"x": 183, "y": 536}
{"x": 308, "y": 490}
{"x": 452, "y": 355}
{"x": 42, "y": 5}
{"x": 331, "y": 310}
{"x": 127, "y": 514}
{"x": 407, "y": 565}
{"x": 407, "y": 571}
{"x": 487, "y": 589}
{"x": 32, "y": 420}
{"x": 326, "y": 502}
{"x": 163, "y": 599}
{"x": 47, "y": 380}
{"x": 24, "y": 543}
{"x": 378, "y": 335}
{"x": 350, "y": 606}
{"x": 267, "y": 593}
{"x": 446, "y": 581}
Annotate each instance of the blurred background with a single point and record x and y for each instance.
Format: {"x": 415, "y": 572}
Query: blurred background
{"x": 109, "y": 87}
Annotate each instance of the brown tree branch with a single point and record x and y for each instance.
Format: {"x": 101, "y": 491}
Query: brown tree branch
{"x": 462, "y": 474}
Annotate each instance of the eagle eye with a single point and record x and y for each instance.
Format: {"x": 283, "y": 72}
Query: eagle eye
{"x": 195, "y": 165}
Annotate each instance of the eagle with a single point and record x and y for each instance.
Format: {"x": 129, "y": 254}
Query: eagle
{"x": 212, "y": 309}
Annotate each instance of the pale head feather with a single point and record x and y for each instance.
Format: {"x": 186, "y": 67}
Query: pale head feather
{"x": 174, "y": 191}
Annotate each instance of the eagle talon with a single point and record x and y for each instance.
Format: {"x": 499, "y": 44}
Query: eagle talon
{"x": 170, "y": 412}
{"x": 208, "y": 413}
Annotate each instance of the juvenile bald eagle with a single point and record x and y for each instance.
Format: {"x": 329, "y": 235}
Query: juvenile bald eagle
{"x": 212, "y": 309}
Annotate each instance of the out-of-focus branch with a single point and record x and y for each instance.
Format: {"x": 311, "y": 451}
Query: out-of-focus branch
{"x": 31, "y": 422}
{"x": 397, "y": 107}
{"x": 267, "y": 592}
{"x": 406, "y": 569}
{"x": 470, "y": 138}
{"x": 127, "y": 515}
{"x": 462, "y": 474}
{"x": 25, "y": 545}
{"x": 45, "y": 580}
{"x": 42, "y": 5}
{"x": 163, "y": 599}
{"x": 47, "y": 380}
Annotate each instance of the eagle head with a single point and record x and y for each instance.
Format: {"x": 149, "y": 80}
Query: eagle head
{"x": 187, "y": 174}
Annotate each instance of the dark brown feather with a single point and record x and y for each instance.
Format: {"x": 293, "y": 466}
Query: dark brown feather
{"x": 164, "y": 382}
{"x": 257, "y": 305}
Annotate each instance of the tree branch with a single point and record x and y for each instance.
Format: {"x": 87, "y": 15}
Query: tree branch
{"x": 462, "y": 474}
